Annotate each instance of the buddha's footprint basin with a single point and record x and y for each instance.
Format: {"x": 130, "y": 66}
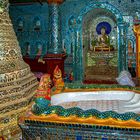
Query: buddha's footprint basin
{"x": 119, "y": 101}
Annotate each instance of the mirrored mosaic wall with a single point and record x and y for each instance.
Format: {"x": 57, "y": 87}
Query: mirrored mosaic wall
{"x": 31, "y": 23}
{"x": 31, "y": 26}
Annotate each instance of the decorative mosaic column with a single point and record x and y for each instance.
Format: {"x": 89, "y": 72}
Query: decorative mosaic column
{"x": 77, "y": 50}
{"x": 17, "y": 83}
{"x": 137, "y": 34}
{"x": 55, "y": 46}
{"x": 122, "y": 32}
{"x": 55, "y": 55}
{"x": 78, "y": 68}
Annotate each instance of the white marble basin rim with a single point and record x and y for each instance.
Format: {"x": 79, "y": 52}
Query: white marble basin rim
{"x": 93, "y": 95}
{"x": 118, "y": 101}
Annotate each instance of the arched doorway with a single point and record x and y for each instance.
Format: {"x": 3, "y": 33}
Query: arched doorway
{"x": 77, "y": 29}
{"x": 100, "y": 54}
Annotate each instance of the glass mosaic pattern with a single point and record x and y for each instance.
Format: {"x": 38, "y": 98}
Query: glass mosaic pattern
{"x": 33, "y": 130}
{"x": 72, "y": 14}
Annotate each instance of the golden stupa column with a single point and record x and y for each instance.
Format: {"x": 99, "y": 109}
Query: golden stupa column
{"x": 137, "y": 34}
{"x": 17, "y": 83}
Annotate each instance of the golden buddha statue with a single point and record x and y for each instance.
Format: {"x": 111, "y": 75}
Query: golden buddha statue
{"x": 103, "y": 43}
{"x": 58, "y": 80}
{"x": 44, "y": 89}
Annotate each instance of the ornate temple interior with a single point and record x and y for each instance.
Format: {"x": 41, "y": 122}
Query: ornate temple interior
{"x": 69, "y": 70}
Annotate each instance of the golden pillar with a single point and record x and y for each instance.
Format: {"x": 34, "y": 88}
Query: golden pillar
{"x": 137, "y": 34}
{"x": 17, "y": 83}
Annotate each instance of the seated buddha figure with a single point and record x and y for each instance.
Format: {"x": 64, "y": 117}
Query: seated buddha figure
{"x": 103, "y": 43}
